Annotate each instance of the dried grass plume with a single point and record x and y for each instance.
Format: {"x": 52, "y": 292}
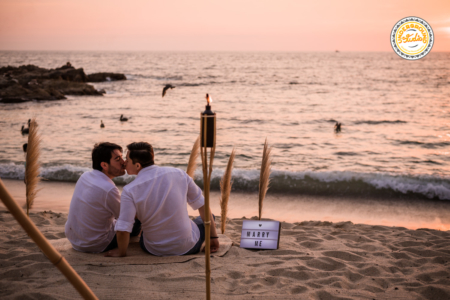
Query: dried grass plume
{"x": 192, "y": 165}
{"x": 32, "y": 164}
{"x": 264, "y": 179}
{"x": 225, "y": 189}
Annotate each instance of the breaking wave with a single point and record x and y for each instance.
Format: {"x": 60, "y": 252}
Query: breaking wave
{"x": 380, "y": 122}
{"x": 337, "y": 183}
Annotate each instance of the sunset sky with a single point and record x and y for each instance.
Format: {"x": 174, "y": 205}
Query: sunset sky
{"x": 202, "y": 25}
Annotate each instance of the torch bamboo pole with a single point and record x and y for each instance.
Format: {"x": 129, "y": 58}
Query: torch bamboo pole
{"x": 206, "y": 185}
{"x": 52, "y": 254}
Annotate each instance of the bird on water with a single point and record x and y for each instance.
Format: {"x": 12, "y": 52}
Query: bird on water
{"x": 168, "y": 86}
{"x": 26, "y": 130}
{"x": 101, "y": 124}
{"x": 122, "y": 119}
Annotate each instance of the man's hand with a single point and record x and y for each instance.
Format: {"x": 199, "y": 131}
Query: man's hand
{"x": 114, "y": 253}
{"x": 214, "y": 245}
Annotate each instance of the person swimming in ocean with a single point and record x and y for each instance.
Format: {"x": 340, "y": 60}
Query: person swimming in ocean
{"x": 337, "y": 127}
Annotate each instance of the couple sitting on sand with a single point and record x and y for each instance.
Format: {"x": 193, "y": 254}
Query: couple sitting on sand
{"x": 154, "y": 204}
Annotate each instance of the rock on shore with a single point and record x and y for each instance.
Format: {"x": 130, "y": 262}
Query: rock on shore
{"x": 29, "y": 82}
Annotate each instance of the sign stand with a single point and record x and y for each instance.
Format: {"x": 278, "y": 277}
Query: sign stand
{"x": 258, "y": 234}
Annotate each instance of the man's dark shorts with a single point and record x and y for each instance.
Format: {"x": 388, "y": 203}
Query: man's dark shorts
{"x": 134, "y": 232}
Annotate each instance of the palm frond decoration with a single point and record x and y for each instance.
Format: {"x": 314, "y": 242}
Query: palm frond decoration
{"x": 264, "y": 179}
{"x": 32, "y": 164}
{"x": 225, "y": 190}
{"x": 192, "y": 165}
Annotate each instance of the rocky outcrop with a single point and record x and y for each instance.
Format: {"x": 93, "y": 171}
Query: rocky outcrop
{"x": 29, "y": 82}
{"x": 99, "y": 77}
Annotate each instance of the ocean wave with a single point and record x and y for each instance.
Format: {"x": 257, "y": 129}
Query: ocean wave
{"x": 346, "y": 153}
{"x": 188, "y": 84}
{"x": 341, "y": 183}
{"x": 425, "y": 145}
{"x": 333, "y": 183}
{"x": 305, "y": 83}
{"x": 67, "y": 173}
{"x": 370, "y": 122}
{"x": 161, "y": 78}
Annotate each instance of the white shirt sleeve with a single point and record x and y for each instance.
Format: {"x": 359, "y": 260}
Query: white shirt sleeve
{"x": 195, "y": 198}
{"x": 112, "y": 202}
{"x": 127, "y": 213}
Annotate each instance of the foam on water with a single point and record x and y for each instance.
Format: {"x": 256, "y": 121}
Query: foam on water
{"x": 306, "y": 182}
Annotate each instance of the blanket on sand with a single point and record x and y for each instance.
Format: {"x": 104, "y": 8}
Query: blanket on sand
{"x": 135, "y": 255}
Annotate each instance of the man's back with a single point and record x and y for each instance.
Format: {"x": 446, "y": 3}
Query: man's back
{"x": 158, "y": 196}
{"x": 95, "y": 205}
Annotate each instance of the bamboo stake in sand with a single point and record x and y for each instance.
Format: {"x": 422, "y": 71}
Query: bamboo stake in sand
{"x": 32, "y": 164}
{"x": 264, "y": 179}
{"x": 52, "y": 254}
{"x": 207, "y": 170}
{"x": 225, "y": 189}
{"x": 192, "y": 165}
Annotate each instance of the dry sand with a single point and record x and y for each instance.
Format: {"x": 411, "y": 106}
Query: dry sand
{"x": 316, "y": 260}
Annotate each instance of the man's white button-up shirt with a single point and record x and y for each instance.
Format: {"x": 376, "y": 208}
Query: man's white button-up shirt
{"x": 158, "y": 197}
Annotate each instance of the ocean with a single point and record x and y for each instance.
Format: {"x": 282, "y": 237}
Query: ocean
{"x": 395, "y": 116}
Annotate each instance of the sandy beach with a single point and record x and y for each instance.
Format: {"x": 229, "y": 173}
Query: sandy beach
{"x": 316, "y": 260}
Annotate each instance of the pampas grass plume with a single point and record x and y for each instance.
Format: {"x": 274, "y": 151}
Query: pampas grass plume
{"x": 33, "y": 165}
{"x": 264, "y": 179}
{"x": 192, "y": 165}
{"x": 225, "y": 189}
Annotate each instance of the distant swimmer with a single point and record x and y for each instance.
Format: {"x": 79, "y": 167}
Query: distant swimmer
{"x": 101, "y": 124}
{"x": 122, "y": 119}
{"x": 337, "y": 127}
{"x": 168, "y": 86}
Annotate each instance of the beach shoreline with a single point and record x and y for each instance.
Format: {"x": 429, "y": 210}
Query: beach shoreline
{"x": 401, "y": 212}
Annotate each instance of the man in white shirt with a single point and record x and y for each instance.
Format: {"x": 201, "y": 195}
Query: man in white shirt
{"x": 95, "y": 204}
{"x": 158, "y": 196}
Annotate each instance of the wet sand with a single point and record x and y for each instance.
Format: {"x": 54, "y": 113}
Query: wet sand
{"x": 412, "y": 214}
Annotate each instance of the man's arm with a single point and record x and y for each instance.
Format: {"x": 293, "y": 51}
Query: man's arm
{"x": 124, "y": 225}
{"x": 214, "y": 243}
{"x": 123, "y": 239}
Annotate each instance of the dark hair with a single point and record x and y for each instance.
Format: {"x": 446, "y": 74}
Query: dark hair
{"x": 142, "y": 153}
{"x": 102, "y": 152}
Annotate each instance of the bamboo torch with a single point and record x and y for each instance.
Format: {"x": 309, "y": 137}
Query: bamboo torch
{"x": 208, "y": 140}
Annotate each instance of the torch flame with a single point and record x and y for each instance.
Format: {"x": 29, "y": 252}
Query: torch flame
{"x": 208, "y": 99}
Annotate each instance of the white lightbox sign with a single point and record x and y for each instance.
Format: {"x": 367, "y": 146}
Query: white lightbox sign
{"x": 260, "y": 234}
